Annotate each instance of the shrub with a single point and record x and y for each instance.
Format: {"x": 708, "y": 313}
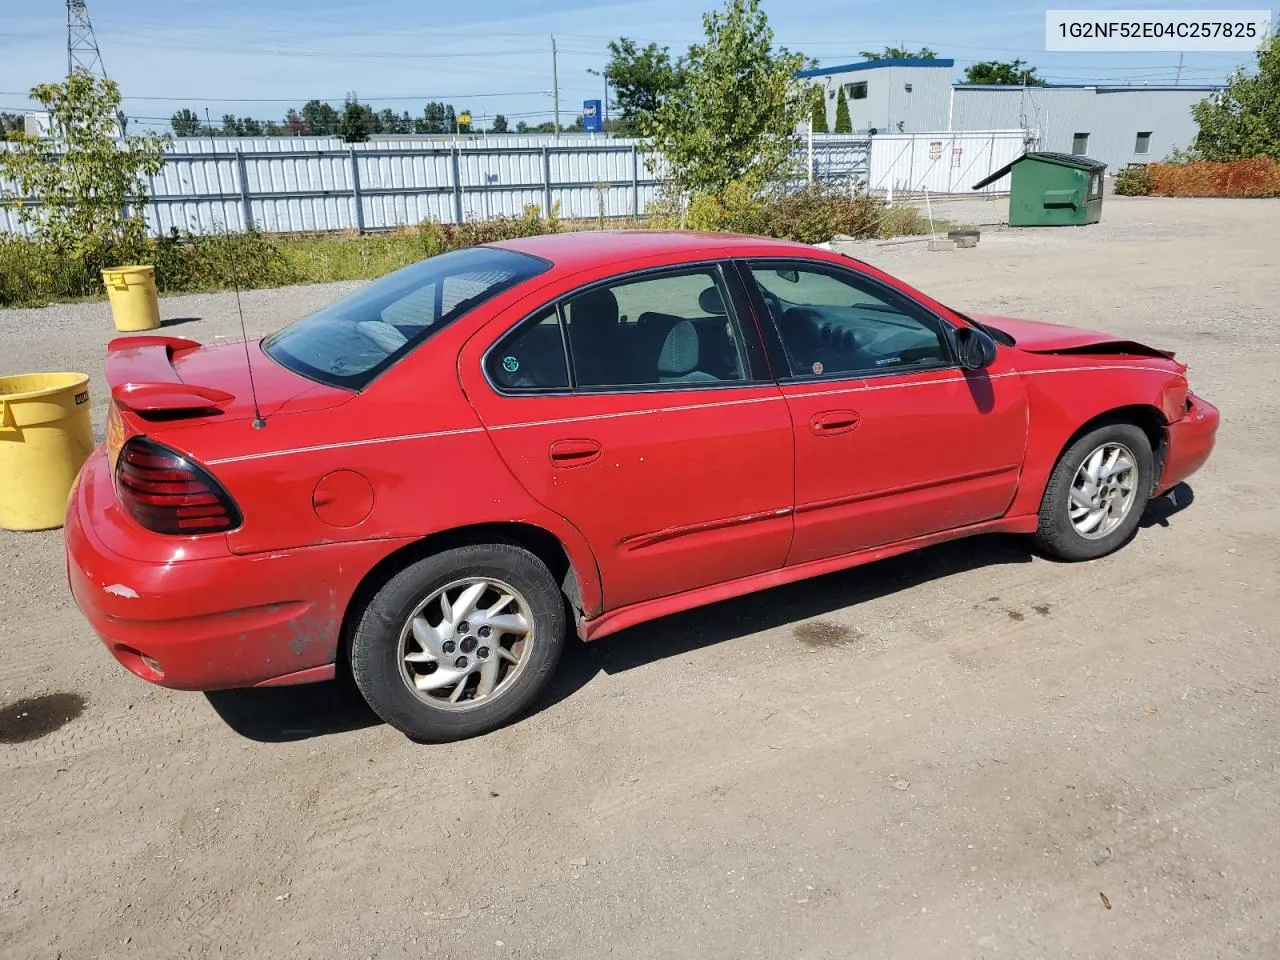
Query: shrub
{"x": 812, "y": 214}
{"x": 1133, "y": 182}
{"x": 34, "y": 272}
{"x": 905, "y": 222}
{"x": 1259, "y": 177}
{"x": 211, "y": 261}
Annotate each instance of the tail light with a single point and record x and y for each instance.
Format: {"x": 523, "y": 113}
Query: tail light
{"x": 169, "y": 493}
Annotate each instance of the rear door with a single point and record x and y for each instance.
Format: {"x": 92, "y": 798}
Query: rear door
{"x": 640, "y": 409}
{"x": 892, "y": 439}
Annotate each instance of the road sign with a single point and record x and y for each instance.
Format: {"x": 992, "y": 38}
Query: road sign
{"x": 592, "y": 120}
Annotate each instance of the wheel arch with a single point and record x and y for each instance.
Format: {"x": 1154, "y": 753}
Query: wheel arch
{"x": 542, "y": 543}
{"x": 1053, "y": 432}
{"x": 1146, "y": 417}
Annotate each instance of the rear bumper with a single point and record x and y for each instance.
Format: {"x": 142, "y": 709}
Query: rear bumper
{"x": 1191, "y": 440}
{"x": 214, "y": 622}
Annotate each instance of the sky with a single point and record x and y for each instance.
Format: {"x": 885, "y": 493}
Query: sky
{"x": 494, "y": 56}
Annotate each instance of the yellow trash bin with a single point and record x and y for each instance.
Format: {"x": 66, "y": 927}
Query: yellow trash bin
{"x": 45, "y": 438}
{"x": 132, "y": 293}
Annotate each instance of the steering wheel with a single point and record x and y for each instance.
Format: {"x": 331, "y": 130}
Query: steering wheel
{"x": 773, "y": 301}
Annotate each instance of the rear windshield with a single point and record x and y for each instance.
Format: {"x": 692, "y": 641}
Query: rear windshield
{"x": 350, "y": 342}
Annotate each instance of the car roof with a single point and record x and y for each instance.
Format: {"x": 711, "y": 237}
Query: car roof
{"x": 589, "y": 248}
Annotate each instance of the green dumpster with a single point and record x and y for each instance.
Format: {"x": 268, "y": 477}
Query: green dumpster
{"x": 1052, "y": 190}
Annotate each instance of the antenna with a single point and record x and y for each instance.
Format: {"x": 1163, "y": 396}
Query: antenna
{"x": 258, "y": 421}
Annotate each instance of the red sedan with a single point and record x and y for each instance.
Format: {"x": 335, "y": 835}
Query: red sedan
{"x": 432, "y": 480}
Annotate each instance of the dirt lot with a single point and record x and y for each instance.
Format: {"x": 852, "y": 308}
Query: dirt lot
{"x": 969, "y": 752}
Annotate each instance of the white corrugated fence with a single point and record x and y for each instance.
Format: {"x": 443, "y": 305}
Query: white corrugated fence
{"x": 943, "y": 163}
{"x": 304, "y": 184}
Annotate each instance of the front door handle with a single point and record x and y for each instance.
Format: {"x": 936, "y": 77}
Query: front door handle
{"x": 833, "y": 423}
{"x": 574, "y": 453}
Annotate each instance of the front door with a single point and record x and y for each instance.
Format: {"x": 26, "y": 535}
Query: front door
{"x": 892, "y": 440}
{"x": 638, "y": 410}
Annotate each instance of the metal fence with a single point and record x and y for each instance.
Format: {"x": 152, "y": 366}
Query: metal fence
{"x": 945, "y": 163}
{"x": 281, "y": 185}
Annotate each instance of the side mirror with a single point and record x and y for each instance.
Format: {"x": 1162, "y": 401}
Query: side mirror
{"x": 974, "y": 349}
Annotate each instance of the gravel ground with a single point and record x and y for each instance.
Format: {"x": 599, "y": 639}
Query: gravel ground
{"x": 967, "y": 752}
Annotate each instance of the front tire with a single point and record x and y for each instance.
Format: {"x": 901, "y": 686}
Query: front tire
{"x": 460, "y": 642}
{"x": 1096, "y": 494}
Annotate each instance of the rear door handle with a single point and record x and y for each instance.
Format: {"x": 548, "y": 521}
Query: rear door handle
{"x": 574, "y": 453}
{"x": 833, "y": 423}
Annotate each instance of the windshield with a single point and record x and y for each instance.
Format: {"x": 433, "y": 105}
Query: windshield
{"x": 350, "y": 342}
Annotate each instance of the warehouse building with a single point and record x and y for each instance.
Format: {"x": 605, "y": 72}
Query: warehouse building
{"x": 1119, "y": 125}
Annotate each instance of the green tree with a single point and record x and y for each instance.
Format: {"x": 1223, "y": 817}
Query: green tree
{"x": 434, "y": 118}
{"x": 465, "y": 126}
{"x": 321, "y": 119}
{"x": 1243, "y": 120}
{"x": 91, "y": 186}
{"x": 273, "y": 129}
{"x": 899, "y": 53}
{"x": 450, "y": 119}
{"x": 250, "y": 127}
{"x": 10, "y": 122}
{"x": 230, "y": 126}
{"x": 1015, "y": 73}
{"x": 843, "y": 123}
{"x": 734, "y": 118}
{"x": 522, "y": 127}
{"x": 357, "y": 121}
{"x": 185, "y": 124}
{"x": 641, "y": 78}
{"x": 819, "y": 109}
{"x": 499, "y": 124}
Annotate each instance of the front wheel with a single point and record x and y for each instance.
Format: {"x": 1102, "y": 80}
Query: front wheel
{"x": 1096, "y": 494}
{"x": 460, "y": 642}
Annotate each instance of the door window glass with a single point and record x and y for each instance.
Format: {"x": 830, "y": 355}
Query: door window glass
{"x": 667, "y": 329}
{"x": 831, "y": 322}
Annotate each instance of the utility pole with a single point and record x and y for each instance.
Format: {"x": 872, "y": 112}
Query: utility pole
{"x": 82, "y": 45}
{"x": 1178, "y": 80}
{"x": 82, "y": 50}
{"x": 811, "y": 148}
{"x": 555, "y": 85}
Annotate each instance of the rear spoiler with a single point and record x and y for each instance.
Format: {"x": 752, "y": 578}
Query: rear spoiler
{"x": 142, "y": 378}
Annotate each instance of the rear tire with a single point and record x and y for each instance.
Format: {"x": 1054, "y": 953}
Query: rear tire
{"x": 1096, "y": 494}
{"x": 459, "y": 643}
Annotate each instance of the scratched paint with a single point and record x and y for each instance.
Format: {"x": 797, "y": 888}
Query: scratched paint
{"x": 120, "y": 590}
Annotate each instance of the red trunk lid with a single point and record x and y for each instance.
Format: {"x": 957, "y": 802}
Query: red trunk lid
{"x": 172, "y": 380}
{"x": 160, "y": 383}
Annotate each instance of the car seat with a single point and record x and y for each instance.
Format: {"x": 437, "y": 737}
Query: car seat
{"x": 595, "y": 338}
{"x": 678, "y": 360}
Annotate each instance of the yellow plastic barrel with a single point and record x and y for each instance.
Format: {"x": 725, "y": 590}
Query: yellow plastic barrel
{"x": 45, "y": 438}
{"x": 132, "y": 293}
